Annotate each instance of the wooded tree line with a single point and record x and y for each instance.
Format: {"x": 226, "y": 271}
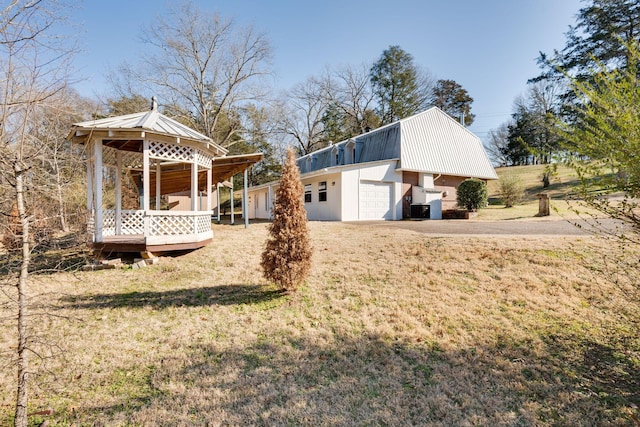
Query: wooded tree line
{"x": 599, "y": 39}
{"x": 214, "y": 76}
{"x": 583, "y": 109}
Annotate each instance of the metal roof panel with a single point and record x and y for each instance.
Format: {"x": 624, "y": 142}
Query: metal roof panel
{"x": 430, "y": 141}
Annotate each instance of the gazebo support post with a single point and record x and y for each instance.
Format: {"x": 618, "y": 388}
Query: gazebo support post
{"x": 231, "y": 199}
{"x": 218, "y": 196}
{"x": 209, "y": 179}
{"x": 146, "y": 186}
{"x": 245, "y": 193}
{"x": 90, "y": 180}
{"x": 158, "y": 181}
{"x": 97, "y": 181}
{"x": 194, "y": 182}
{"x": 118, "y": 192}
{"x": 91, "y": 219}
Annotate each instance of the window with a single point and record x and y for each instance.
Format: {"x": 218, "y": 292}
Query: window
{"x": 307, "y": 193}
{"x": 266, "y": 200}
{"x": 322, "y": 191}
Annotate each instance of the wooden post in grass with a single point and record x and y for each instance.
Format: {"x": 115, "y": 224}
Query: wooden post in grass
{"x": 543, "y": 204}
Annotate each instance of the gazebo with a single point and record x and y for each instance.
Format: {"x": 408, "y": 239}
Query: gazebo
{"x": 163, "y": 157}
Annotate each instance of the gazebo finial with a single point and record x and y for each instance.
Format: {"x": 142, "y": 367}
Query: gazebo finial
{"x": 154, "y": 103}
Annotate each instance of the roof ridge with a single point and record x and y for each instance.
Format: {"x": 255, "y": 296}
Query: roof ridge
{"x": 148, "y": 120}
{"x": 378, "y": 129}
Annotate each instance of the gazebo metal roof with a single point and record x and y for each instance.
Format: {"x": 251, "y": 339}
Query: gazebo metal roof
{"x": 126, "y": 133}
{"x": 149, "y": 121}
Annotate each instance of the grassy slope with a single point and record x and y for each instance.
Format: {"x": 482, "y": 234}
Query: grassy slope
{"x": 531, "y": 177}
{"x": 561, "y": 188}
{"x": 392, "y": 328}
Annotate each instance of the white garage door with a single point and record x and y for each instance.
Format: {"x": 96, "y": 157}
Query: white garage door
{"x": 375, "y": 200}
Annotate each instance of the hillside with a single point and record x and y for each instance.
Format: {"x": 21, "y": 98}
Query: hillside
{"x": 561, "y": 189}
{"x": 531, "y": 176}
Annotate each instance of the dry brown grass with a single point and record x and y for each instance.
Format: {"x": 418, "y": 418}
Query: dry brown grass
{"x": 391, "y": 328}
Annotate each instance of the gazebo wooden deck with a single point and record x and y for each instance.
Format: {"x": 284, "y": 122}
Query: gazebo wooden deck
{"x": 163, "y": 157}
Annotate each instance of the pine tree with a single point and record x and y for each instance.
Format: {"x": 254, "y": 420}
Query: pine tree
{"x": 286, "y": 259}
{"x": 400, "y": 87}
{"x": 606, "y": 138}
{"x": 453, "y": 99}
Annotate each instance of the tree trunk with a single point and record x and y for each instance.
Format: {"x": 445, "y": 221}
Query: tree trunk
{"x": 63, "y": 221}
{"x": 23, "y": 362}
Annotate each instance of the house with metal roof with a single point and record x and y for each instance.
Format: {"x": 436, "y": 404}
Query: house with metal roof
{"x": 407, "y": 169}
{"x": 163, "y": 158}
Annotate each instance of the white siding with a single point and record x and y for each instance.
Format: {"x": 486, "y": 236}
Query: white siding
{"x": 330, "y": 209}
{"x": 353, "y": 181}
{"x": 261, "y": 201}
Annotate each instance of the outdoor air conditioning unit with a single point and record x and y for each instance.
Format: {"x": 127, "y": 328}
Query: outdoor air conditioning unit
{"x": 421, "y": 211}
{"x": 426, "y": 203}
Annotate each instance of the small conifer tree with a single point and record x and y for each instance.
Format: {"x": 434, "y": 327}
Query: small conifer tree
{"x": 286, "y": 259}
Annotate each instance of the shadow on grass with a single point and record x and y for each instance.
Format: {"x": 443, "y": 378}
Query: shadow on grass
{"x": 191, "y": 297}
{"x": 367, "y": 379}
{"x": 559, "y": 190}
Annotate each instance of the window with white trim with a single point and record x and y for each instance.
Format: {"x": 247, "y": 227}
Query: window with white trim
{"x": 307, "y": 193}
{"x": 322, "y": 191}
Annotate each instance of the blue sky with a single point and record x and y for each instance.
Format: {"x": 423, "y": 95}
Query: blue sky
{"x": 488, "y": 46}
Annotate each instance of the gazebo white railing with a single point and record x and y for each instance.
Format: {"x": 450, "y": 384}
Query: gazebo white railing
{"x": 159, "y": 227}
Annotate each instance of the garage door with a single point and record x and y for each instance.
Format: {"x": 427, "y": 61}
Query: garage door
{"x": 375, "y": 200}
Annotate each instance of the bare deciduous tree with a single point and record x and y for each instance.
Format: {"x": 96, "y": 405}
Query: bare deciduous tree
{"x": 33, "y": 70}
{"x": 353, "y": 95}
{"x": 498, "y": 144}
{"x": 304, "y": 108}
{"x": 204, "y": 68}
{"x": 58, "y": 160}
